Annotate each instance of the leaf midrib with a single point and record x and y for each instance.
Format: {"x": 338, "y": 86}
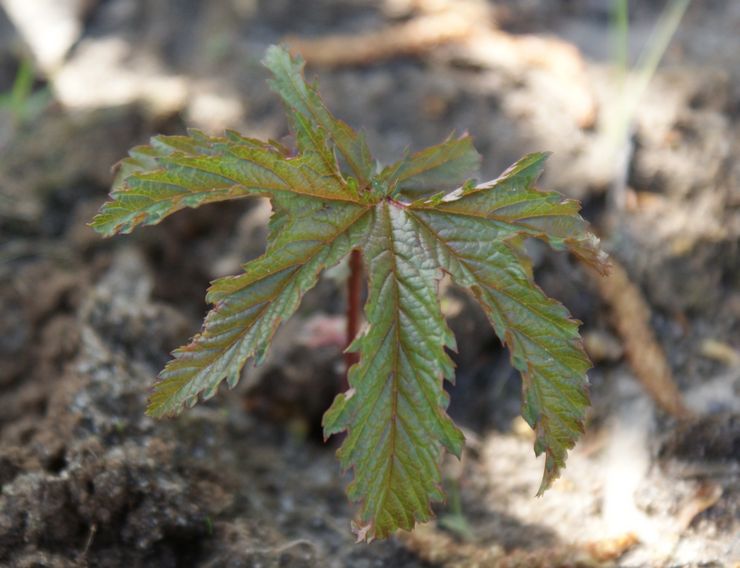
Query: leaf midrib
{"x": 394, "y": 373}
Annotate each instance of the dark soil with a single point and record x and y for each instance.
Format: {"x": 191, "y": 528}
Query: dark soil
{"x": 86, "y": 479}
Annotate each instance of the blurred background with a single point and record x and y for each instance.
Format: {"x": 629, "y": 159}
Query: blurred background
{"x": 640, "y": 103}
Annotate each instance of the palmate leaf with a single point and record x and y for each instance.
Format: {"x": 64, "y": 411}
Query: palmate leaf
{"x": 412, "y": 221}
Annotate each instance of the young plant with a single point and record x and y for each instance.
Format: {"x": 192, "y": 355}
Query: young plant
{"x": 412, "y": 221}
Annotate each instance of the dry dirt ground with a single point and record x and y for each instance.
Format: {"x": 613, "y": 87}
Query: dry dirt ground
{"x": 244, "y": 480}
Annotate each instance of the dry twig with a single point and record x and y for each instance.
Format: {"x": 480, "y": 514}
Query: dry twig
{"x": 414, "y": 37}
{"x": 468, "y": 28}
{"x": 440, "y": 549}
{"x": 631, "y": 317}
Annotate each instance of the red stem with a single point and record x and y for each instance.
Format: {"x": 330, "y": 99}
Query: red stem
{"x": 354, "y": 289}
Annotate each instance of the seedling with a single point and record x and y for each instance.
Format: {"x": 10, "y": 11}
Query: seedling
{"x": 411, "y": 221}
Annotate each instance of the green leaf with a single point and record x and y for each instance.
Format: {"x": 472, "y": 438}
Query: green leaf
{"x": 175, "y": 172}
{"x": 439, "y": 168}
{"x": 414, "y": 221}
{"x": 249, "y": 308}
{"x": 394, "y": 413}
{"x": 317, "y": 130}
{"x": 470, "y": 235}
{"x": 511, "y": 205}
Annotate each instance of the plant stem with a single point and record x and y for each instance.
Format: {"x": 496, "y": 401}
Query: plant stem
{"x": 354, "y": 289}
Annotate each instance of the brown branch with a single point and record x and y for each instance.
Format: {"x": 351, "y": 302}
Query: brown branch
{"x": 414, "y": 37}
{"x": 469, "y": 33}
{"x": 631, "y": 317}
